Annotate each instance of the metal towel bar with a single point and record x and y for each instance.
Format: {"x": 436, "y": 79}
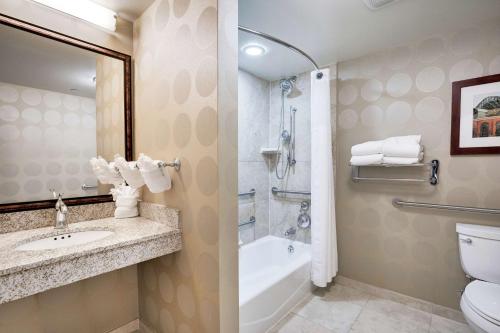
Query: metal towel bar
{"x": 433, "y": 175}
{"x": 275, "y": 190}
{"x": 86, "y": 187}
{"x": 400, "y": 203}
{"x": 251, "y": 220}
{"x": 251, "y": 192}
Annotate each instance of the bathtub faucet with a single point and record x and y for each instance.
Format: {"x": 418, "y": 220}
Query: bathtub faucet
{"x": 290, "y": 232}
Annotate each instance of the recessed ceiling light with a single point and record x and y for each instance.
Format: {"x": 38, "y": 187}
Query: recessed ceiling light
{"x": 254, "y": 50}
{"x": 85, "y": 10}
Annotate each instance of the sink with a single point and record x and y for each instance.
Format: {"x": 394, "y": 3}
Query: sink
{"x": 64, "y": 240}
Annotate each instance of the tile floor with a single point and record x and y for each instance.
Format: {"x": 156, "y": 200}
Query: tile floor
{"x": 343, "y": 309}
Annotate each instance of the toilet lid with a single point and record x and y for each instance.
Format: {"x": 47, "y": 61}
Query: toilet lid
{"x": 484, "y": 297}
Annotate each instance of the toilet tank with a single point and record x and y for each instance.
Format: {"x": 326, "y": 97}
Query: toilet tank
{"x": 480, "y": 251}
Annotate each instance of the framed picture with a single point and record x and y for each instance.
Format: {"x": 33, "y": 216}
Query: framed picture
{"x": 475, "y": 116}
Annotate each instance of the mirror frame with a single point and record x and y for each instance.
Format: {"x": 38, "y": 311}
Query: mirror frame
{"x": 127, "y": 67}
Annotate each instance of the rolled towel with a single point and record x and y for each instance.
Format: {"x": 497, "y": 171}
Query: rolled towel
{"x": 374, "y": 159}
{"x": 367, "y": 148}
{"x": 155, "y": 176}
{"x": 406, "y": 139}
{"x": 105, "y": 172}
{"x": 129, "y": 172}
{"x": 401, "y": 150}
{"x": 125, "y": 212}
{"x": 126, "y": 201}
{"x": 402, "y": 160}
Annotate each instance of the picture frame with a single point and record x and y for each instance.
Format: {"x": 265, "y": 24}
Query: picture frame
{"x": 475, "y": 116}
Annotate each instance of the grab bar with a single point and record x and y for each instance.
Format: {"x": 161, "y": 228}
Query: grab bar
{"x": 251, "y": 192}
{"x": 400, "y": 203}
{"x": 251, "y": 220}
{"x": 275, "y": 190}
{"x": 86, "y": 187}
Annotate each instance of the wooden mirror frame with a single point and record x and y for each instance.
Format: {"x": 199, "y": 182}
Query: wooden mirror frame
{"x": 127, "y": 74}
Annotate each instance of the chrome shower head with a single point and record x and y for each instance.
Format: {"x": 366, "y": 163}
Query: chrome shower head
{"x": 287, "y": 84}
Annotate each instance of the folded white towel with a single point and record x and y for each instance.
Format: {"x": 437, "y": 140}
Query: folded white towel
{"x": 156, "y": 177}
{"x": 401, "y": 150}
{"x": 129, "y": 172}
{"x": 367, "y": 159}
{"x": 367, "y": 148}
{"x": 105, "y": 172}
{"x": 124, "y": 212}
{"x": 402, "y": 160}
{"x": 407, "y": 139}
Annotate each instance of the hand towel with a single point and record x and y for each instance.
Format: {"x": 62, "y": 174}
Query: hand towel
{"x": 367, "y": 160}
{"x": 105, "y": 172}
{"x": 407, "y": 139}
{"x": 125, "y": 212}
{"x": 155, "y": 176}
{"x": 129, "y": 172}
{"x": 402, "y": 160}
{"x": 126, "y": 201}
{"x": 367, "y": 148}
{"x": 401, "y": 150}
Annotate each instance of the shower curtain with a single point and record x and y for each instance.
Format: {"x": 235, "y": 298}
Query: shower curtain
{"x": 323, "y": 230}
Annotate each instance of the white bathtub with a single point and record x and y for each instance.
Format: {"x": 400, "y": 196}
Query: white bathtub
{"x": 272, "y": 281}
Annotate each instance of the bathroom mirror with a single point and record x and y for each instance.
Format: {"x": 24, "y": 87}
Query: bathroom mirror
{"x": 62, "y": 101}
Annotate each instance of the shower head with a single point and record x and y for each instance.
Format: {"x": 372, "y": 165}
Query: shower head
{"x": 287, "y": 84}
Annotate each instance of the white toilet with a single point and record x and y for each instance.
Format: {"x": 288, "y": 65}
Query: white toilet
{"x": 480, "y": 258}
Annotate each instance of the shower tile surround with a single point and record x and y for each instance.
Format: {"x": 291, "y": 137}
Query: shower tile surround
{"x": 407, "y": 90}
{"x": 259, "y": 107}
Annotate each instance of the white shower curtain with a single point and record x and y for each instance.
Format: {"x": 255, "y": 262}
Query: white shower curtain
{"x": 323, "y": 229}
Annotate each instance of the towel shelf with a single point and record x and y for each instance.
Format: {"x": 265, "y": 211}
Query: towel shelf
{"x": 251, "y": 220}
{"x": 433, "y": 177}
{"x": 400, "y": 203}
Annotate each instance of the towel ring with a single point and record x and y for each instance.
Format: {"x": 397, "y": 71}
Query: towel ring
{"x": 176, "y": 164}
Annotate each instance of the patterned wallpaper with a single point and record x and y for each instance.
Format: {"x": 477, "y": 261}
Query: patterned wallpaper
{"x": 407, "y": 90}
{"x": 99, "y": 304}
{"x": 177, "y": 115}
{"x": 46, "y": 141}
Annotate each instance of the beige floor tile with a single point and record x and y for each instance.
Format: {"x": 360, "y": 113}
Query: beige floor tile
{"x": 443, "y": 325}
{"x": 293, "y": 323}
{"x": 336, "y": 309}
{"x": 385, "y": 316}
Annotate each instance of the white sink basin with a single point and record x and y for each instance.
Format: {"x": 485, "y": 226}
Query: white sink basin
{"x": 64, "y": 240}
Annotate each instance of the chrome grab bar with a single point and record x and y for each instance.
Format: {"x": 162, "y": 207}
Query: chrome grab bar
{"x": 251, "y": 192}
{"x": 250, "y": 221}
{"x": 275, "y": 190}
{"x": 86, "y": 187}
{"x": 400, "y": 203}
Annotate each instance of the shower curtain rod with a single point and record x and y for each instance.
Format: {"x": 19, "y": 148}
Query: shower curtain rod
{"x": 319, "y": 75}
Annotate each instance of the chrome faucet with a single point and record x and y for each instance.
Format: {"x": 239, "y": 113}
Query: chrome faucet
{"x": 61, "y": 210}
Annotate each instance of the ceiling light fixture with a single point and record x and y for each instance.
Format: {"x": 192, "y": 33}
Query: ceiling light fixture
{"x": 85, "y": 10}
{"x": 254, "y": 50}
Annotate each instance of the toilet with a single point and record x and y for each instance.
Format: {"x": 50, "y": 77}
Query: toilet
{"x": 480, "y": 257}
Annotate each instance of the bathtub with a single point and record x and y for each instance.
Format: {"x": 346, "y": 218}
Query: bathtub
{"x": 272, "y": 281}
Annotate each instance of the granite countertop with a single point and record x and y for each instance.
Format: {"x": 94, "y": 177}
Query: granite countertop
{"x": 126, "y": 232}
{"x": 23, "y": 273}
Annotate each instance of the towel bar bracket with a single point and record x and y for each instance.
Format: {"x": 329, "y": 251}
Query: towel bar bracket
{"x": 433, "y": 176}
{"x": 176, "y": 164}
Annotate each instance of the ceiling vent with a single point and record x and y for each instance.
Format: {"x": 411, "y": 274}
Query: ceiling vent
{"x": 377, "y": 4}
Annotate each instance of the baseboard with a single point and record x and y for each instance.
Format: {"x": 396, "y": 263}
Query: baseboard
{"x": 131, "y": 327}
{"x": 412, "y": 302}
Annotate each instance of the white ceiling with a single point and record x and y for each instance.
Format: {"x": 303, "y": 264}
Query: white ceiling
{"x": 337, "y": 30}
{"x": 127, "y": 9}
{"x": 30, "y": 60}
